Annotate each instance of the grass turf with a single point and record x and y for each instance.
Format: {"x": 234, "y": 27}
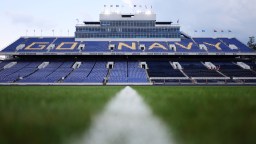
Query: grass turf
{"x": 195, "y": 115}
{"x": 48, "y": 115}
{"x": 205, "y": 115}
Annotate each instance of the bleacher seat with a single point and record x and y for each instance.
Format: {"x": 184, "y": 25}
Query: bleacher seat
{"x": 98, "y": 73}
{"x": 127, "y": 72}
{"x": 81, "y": 73}
{"x": 92, "y": 72}
{"x": 65, "y": 45}
{"x": 12, "y": 47}
{"x": 197, "y": 69}
{"x": 162, "y": 69}
{"x": 163, "y": 46}
{"x": 213, "y": 45}
{"x": 231, "y": 70}
{"x": 11, "y": 74}
{"x": 96, "y": 46}
{"x": 241, "y": 47}
{"x": 36, "y": 42}
{"x": 186, "y": 45}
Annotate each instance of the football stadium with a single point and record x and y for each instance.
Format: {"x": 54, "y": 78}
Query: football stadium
{"x": 128, "y": 79}
{"x": 124, "y": 49}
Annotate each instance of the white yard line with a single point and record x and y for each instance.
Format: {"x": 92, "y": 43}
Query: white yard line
{"x": 126, "y": 120}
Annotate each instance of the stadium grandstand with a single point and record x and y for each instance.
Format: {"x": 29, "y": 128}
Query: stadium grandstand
{"x": 128, "y": 49}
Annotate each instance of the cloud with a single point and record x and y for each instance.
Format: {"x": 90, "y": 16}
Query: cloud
{"x": 19, "y": 18}
{"x": 239, "y": 16}
{"x": 23, "y": 19}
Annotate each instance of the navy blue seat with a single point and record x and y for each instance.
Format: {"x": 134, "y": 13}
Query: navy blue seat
{"x": 12, "y": 47}
{"x": 162, "y": 69}
{"x": 97, "y": 74}
{"x": 125, "y": 48}
{"x": 232, "y": 70}
{"x": 241, "y": 47}
{"x": 42, "y": 74}
{"x": 11, "y": 74}
{"x": 127, "y": 72}
{"x": 65, "y": 45}
{"x": 197, "y": 69}
{"x": 149, "y": 46}
{"x": 81, "y": 73}
{"x": 94, "y": 46}
{"x": 211, "y": 44}
{"x": 37, "y": 44}
{"x": 186, "y": 45}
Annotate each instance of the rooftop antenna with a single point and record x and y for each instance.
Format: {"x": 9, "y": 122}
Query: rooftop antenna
{"x": 122, "y": 10}
{"x": 104, "y": 11}
{"x": 26, "y": 33}
{"x": 34, "y": 32}
{"x": 61, "y": 32}
{"x": 117, "y": 9}
{"x": 77, "y": 20}
{"x": 134, "y": 8}
{"x": 111, "y": 8}
{"x": 230, "y": 33}
{"x": 53, "y": 32}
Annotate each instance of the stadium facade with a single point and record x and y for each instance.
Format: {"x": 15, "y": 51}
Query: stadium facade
{"x": 128, "y": 49}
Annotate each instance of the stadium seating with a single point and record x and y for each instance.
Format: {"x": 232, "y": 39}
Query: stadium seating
{"x": 123, "y": 72}
{"x": 81, "y": 73}
{"x": 126, "y": 46}
{"x": 186, "y": 45}
{"x": 127, "y": 72}
{"x": 13, "y": 73}
{"x": 135, "y": 73}
{"x": 35, "y": 44}
{"x": 232, "y": 70}
{"x": 213, "y": 45}
{"x": 130, "y": 51}
{"x": 155, "y": 46}
{"x": 98, "y": 73}
{"x": 163, "y": 69}
{"x": 65, "y": 45}
{"x": 96, "y": 47}
{"x": 252, "y": 65}
{"x": 69, "y": 45}
{"x": 197, "y": 69}
{"x": 241, "y": 47}
{"x": 88, "y": 72}
{"x": 13, "y": 46}
{"x": 3, "y": 63}
{"x": 41, "y": 75}
{"x": 119, "y": 73}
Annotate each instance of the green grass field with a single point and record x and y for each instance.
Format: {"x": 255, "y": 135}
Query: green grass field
{"x": 206, "y": 115}
{"x": 48, "y": 115}
{"x": 194, "y": 115}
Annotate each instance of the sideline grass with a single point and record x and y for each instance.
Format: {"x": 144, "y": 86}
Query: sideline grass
{"x": 205, "y": 115}
{"x": 48, "y": 114}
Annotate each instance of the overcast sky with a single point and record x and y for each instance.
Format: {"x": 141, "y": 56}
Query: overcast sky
{"x": 17, "y": 16}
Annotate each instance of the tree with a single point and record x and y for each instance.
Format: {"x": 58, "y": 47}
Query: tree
{"x": 252, "y": 43}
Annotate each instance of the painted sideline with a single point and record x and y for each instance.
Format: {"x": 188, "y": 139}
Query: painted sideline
{"x": 126, "y": 120}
